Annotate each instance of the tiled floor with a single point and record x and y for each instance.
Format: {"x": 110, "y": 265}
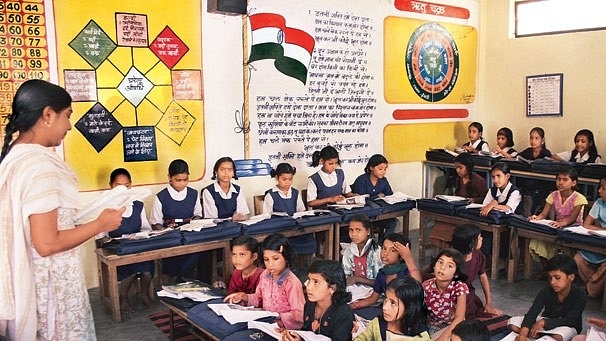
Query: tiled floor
{"x": 512, "y": 299}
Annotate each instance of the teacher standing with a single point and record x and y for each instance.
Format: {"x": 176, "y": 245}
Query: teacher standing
{"x": 43, "y": 295}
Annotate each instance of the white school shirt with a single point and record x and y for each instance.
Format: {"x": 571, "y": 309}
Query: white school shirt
{"x": 485, "y": 146}
{"x": 156, "y": 216}
{"x": 210, "y": 209}
{"x": 145, "y": 225}
{"x": 329, "y": 180}
{"x": 268, "y": 202}
{"x": 514, "y": 199}
{"x": 578, "y": 159}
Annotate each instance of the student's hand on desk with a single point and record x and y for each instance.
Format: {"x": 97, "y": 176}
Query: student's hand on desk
{"x": 486, "y": 209}
{"x": 337, "y": 198}
{"x": 557, "y": 224}
{"x": 219, "y": 285}
{"x": 110, "y": 218}
{"x": 533, "y": 217}
{"x": 236, "y": 298}
{"x": 238, "y": 217}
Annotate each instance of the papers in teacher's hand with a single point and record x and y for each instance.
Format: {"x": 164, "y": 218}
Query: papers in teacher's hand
{"x": 198, "y": 224}
{"x": 450, "y": 198}
{"x": 271, "y": 329}
{"x": 396, "y": 197}
{"x": 234, "y": 313}
{"x": 114, "y": 198}
{"x": 359, "y": 291}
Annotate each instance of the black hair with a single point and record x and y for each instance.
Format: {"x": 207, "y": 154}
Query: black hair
{"x": 411, "y": 293}
{"x": 466, "y": 160}
{"x": 502, "y": 166}
{"x": 374, "y": 161}
{"x": 465, "y": 238}
{"x": 471, "y": 330}
{"x": 218, "y": 164}
{"x": 460, "y": 274}
{"x": 178, "y": 166}
{"x": 564, "y": 263}
{"x": 592, "y": 150}
{"x": 327, "y": 153}
{"x": 283, "y": 168}
{"x": 333, "y": 273}
{"x": 397, "y": 237}
{"x": 365, "y": 221}
{"x": 30, "y": 100}
{"x": 571, "y": 172}
{"x": 478, "y": 126}
{"x": 116, "y": 172}
{"x": 251, "y": 243}
{"x": 541, "y": 133}
{"x": 277, "y": 242}
{"x": 508, "y": 135}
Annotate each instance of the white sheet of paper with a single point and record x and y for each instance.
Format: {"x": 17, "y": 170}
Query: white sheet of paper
{"x": 270, "y": 329}
{"x": 233, "y": 313}
{"x": 198, "y": 224}
{"x": 359, "y": 291}
{"x": 577, "y": 229}
{"x": 114, "y": 198}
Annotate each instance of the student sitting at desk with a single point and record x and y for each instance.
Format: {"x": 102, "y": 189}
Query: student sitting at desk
{"x": 327, "y": 185}
{"x": 476, "y": 141}
{"x": 176, "y": 205}
{"x": 469, "y": 184}
{"x": 534, "y": 191}
{"x": 244, "y": 256}
{"x": 505, "y": 143}
{"x": 568, "y": 205}
{"x": 374, "y": 183}
{"x": 283, "y": 197}
{"x": 584, "y": 150}
{"x": 362, "y": 257}
{"x": 592, "y": 265}
{"x": 134, "y": 220}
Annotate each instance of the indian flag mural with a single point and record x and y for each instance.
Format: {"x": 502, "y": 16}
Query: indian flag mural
{"x": 290, "y": 48}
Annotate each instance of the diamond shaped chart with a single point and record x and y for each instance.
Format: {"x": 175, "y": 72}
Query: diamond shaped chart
{"x": 98, "y": 126}
{"x": 176, "y": 122}
{"x": 168, "y": 47}
{"x": 93, "y": 44}
{"x": 135, "y": 86}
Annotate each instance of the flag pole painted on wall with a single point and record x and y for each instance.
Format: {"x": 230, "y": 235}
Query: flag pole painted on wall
{"x": 290, "y": 47}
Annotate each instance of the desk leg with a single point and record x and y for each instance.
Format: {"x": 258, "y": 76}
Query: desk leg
{"x": 512, "y": 266}
{"x": 329, "y": 241}
{"x": 227, "y": 264}
{"x": 114, "y": 298}
{"x": 496, "y": 246}
{"x": 422, "y": 226}
{"x": 527, "y": 258}
{"x": 171, "y": 323}
{"x": 406, "y": 224}
{"x": 102, "y": 280}
{"x": 337, "y": 247}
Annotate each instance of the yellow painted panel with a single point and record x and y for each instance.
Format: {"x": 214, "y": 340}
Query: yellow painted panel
{"x": 408, "y": 142}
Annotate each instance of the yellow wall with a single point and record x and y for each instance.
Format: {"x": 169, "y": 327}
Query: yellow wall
{"x": 505, "y": 62}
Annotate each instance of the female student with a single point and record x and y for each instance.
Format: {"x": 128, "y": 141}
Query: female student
{"x": 134, "y": 220}
{"x": 397, "y": 263}
{"x": 467, "y": 239}
{"x": 39, "y": 239}
{"x": 505, "y": 143}
{"x": 538, "y": 148}
{"x": 469, "y": 184}
{"x": 584, "y": 150}
{"x": 445, "y": 294}
{"x": 503, "y": 195}
{"x": 222, "y": 199}
{"x": 374, "y": 183}
{"x": 362, "y": 257}
{"x": 326, "y": 311}
{"x": 568, "y": 206}
{"x": 176, "y": 205}
{"x": 404, "y": 314}
{"x": 279, "y": 289}
{"x": 592, "y": 265}
{"x": 283, "y": 197}
{"x": 244, "y": 257}
{"x": 327, "y": 185}
{"x": 557, "y": 309}
{"x": 476, "y": 141}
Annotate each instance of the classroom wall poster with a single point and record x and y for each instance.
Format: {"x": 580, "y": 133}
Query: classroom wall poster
{"x": 134, "y": 70}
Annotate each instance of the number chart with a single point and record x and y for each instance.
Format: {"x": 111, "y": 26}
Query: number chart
{"x": 23, "y": 49}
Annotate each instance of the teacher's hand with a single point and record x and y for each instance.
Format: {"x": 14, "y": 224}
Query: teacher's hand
{"x": 110, "y": 218}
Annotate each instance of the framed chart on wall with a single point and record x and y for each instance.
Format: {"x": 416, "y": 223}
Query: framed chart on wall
{"x": 544, "y": 95}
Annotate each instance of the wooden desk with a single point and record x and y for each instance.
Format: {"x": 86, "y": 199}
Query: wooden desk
{"x": 199, "y": 332}
{"x": 107, "y": 264}
{"x": 405, "y": 228}
{"x": 326, "y": 229}
{"x": 425, "y": 217}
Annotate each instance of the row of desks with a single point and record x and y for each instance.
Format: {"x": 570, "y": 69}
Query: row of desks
{"x": 326, "y": 234}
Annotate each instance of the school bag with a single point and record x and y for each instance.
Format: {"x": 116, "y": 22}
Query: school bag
{"x": 593, "y": 171}
{"x": 549, "y": 166}
{"x": 440, "y": 155}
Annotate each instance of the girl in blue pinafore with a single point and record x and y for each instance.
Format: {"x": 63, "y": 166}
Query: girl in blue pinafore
{"x": 134, "y": 220}
{"x": 222, "y": 199}
{"x": 173, "y": 206}
{"x": 328, "y": 185}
